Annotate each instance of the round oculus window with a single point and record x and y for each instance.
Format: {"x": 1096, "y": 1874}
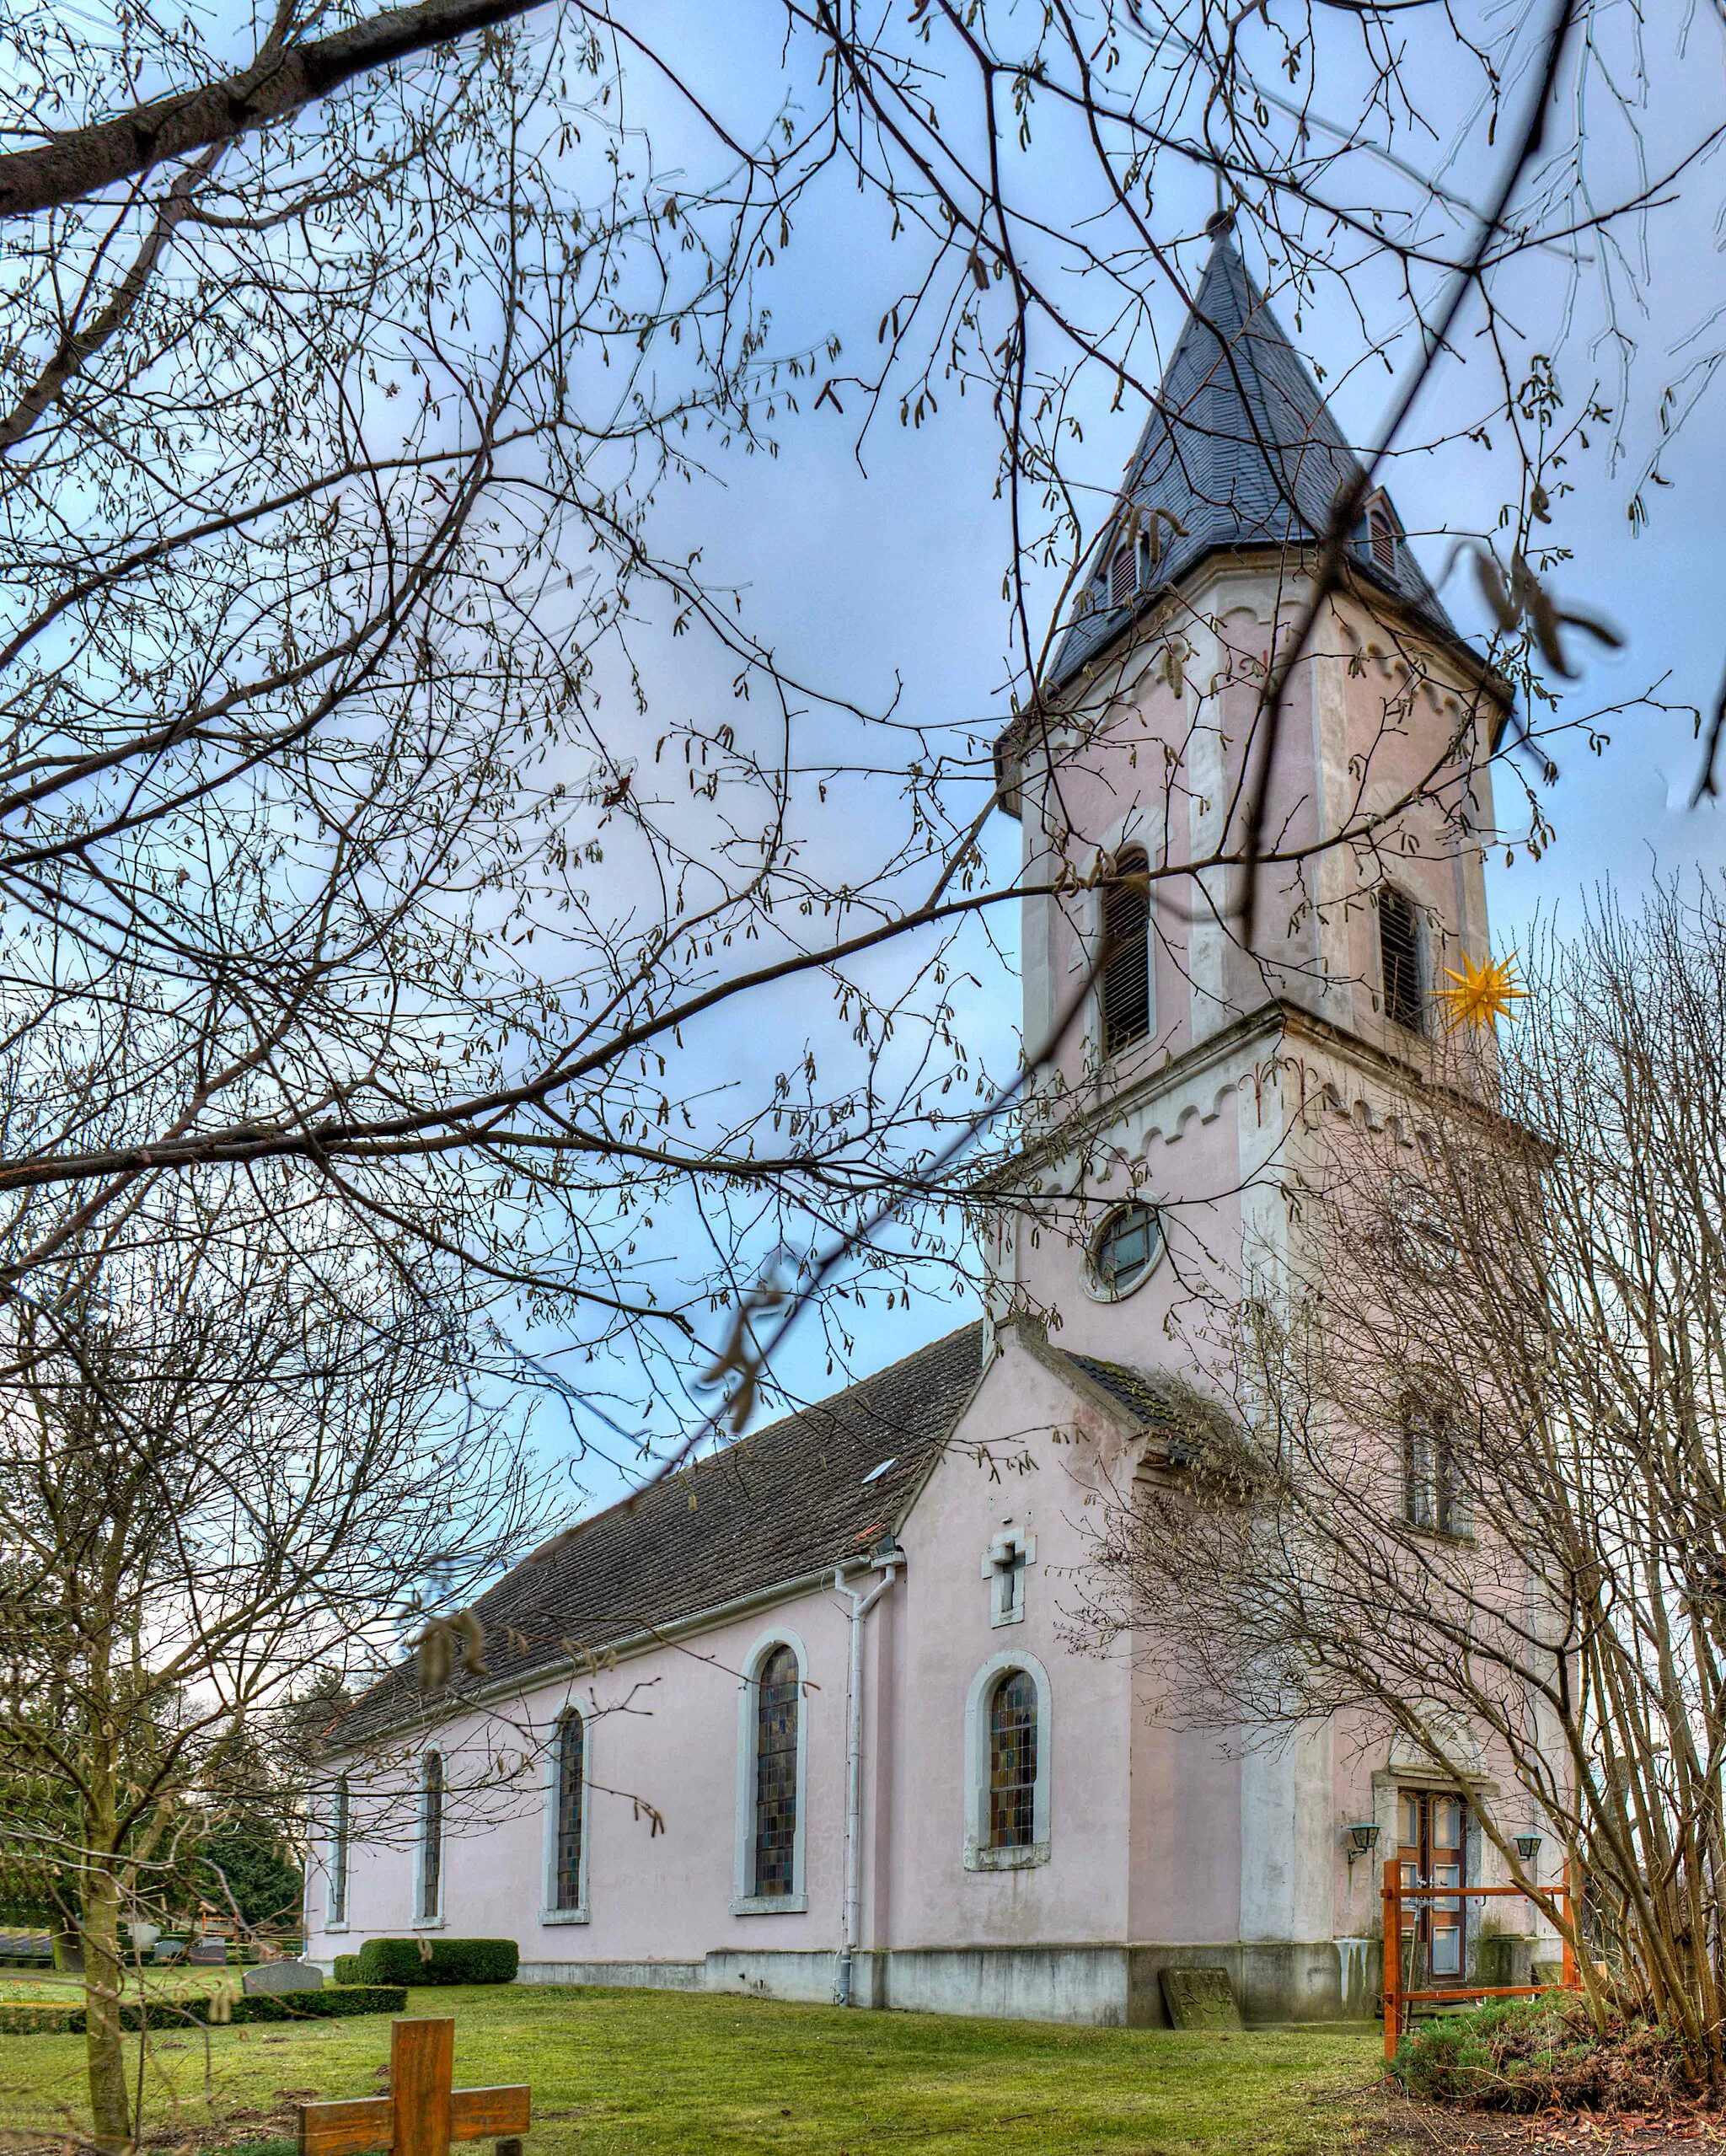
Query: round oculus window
{"x": 1128, "y": 1246}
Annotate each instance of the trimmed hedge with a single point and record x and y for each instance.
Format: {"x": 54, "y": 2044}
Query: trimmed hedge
{"x": 347, "y": 1969}
{"x": 451, "y": 1961}
{"x": 329, "y": 2005}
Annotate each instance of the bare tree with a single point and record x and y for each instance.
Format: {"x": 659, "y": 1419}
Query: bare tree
{"x": 1457, "y": 1466}
{"x": 340, "y": 775}
{"x": 220, "y": 1490}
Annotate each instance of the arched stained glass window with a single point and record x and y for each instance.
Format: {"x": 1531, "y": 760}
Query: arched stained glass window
{"x": 431, "y": 1839}
{"x": 776, "y": 1708}
{"x": 1126, "y": 973}
{"x": 571, "y": 1770}
{"x": 1012, "y": 1762}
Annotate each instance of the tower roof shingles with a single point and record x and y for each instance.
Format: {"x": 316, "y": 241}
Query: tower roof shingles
{"x": 1243, "y": 450}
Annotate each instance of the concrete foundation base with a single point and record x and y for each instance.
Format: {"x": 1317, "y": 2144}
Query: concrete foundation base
{"x": 1107, "y": 1986}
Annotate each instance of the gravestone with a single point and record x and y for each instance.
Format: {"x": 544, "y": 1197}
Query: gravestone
{"x": 169, "y": 1949}
{"x": 275, "y": 1979}
{"x": 208, "y": 1953}
{"x": 1200, "y": 1998}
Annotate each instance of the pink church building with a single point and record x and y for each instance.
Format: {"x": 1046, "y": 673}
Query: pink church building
{"x": 812, "y": 1719}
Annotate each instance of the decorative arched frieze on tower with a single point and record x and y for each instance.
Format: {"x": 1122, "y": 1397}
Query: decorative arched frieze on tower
{"x": 1379, "y": 796}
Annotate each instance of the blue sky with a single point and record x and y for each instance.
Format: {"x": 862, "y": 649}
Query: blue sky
{"x": 881, "y": 574}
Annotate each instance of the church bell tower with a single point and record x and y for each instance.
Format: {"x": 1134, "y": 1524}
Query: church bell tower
{"x": 1176, "y": 1053}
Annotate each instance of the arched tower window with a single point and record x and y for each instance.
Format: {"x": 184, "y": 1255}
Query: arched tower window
{"x": 430, "y": 1905}
{"x": 1123, "y": 574}
{"x": 571, "y": 1794}
{"x": 1433, "y": 1492}
{"x": 1012, "y": 1762}
{"x": 774, "y": 1869}
{"x": 1126, "y": 973}
{"x": 1399, "y": 958}
{"x": 1381, "y": 536}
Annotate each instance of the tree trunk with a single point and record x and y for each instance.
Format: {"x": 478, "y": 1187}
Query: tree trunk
{"x": 111, "y": 2104}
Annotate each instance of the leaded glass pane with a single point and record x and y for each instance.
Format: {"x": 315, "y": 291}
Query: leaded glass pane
{"x": 432, "y": 1836}
{"x": 1130, "y": 1245}
{"x": 1012, "y": 1762}
{"x": 776, "y": 1773}
{"x": 571, "y": 1767}
{"x": 339, "y": 1833}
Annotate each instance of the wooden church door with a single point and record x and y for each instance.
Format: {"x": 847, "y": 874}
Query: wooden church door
{"x": 1432, "y": 1849}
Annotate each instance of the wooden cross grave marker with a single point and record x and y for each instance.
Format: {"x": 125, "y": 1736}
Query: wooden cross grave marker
{"x": 422, "y": 2114}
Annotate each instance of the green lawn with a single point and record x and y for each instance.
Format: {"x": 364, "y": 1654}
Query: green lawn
{"x": 50, "y": 1988}
{"x": 656, "y": 2073}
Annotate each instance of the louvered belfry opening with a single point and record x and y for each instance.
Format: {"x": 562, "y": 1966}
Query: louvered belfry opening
{"x": 1126, "y": 973}
{"x": 1383, "y": 535}
{"x": 1399, "y": 958}
{"x": 1123, "y": 575}
{"x": 776, "y": 1774}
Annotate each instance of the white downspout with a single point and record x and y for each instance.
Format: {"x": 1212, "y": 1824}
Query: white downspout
{"x": 861, "y": 1605}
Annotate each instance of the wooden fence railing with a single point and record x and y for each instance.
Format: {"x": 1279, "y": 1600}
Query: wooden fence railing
{"x": 1398, "y": 1998}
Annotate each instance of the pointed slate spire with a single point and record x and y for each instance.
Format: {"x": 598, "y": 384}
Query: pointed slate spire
{"x": 1242, "y": 451}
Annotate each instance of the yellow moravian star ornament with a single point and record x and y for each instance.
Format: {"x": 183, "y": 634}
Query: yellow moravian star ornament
{"x": 1482, "y": 994}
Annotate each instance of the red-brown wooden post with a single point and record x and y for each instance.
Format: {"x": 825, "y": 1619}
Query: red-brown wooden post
{"x": 422, "y": 2115}
{"x": 1393, "y": 1954}
{"x": 1570, "y": 1975}
{"x": 421, "y": 2081}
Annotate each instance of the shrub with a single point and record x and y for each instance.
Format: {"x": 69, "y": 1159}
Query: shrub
{"x": 195, "y": 2008}
{"x": 1528, "y": 2055}
{"x": 450, "y": 1961}
{"x": 347, "y": 1969}
{"x": 335, "y": 2004}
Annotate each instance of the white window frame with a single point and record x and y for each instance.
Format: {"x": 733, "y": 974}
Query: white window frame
{"x": 1010, "y": 1542}
{"x": 1096, "y": 1287}
{"x": 434, "y": 1922}
{"x": 744, "y": 1902}
{"x": 978, "y": 1855}
{"x": 550, "y": 1912}
{"x": 338, "y": 1858}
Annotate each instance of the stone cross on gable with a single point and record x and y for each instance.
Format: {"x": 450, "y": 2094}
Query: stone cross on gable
{"x": 422, "y": 2114}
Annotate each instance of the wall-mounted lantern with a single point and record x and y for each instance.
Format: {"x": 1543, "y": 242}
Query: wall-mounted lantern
{"x": 1363, "y": 1839}
{"x": 1528, "y": 1847}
